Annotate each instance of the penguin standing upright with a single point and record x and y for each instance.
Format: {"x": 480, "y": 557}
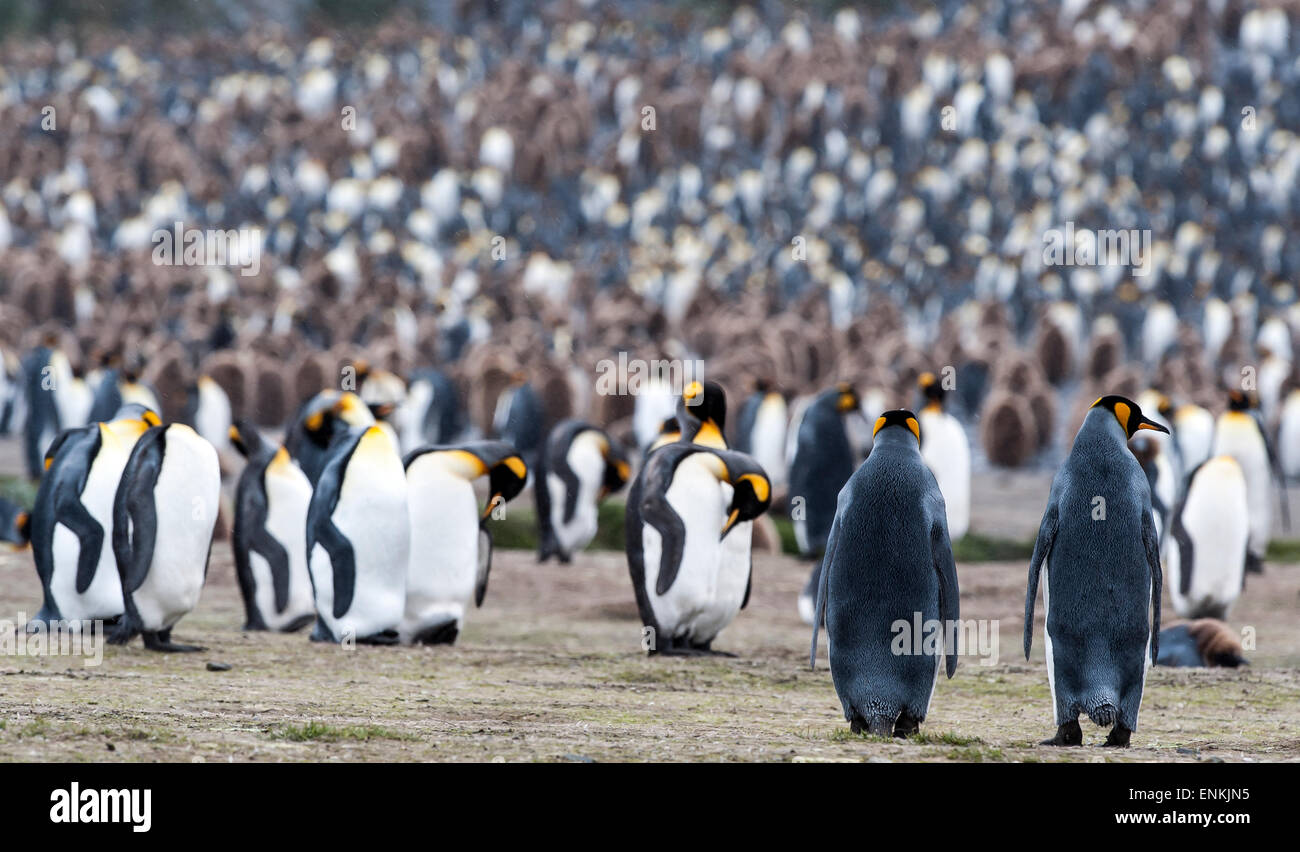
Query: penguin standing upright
{"x": 318, "y": 422}
{"x": 1100, "y": 562}
{"x": 518, "y": 420}
{"x": 946, "y": 452}
{"x": 689, "y": 582}
{"x": 358, "y": 539}
{"x": 761, "y": 431}
{"x": 164, "y": 513}
{"x": 42, "y": 425}
{"x": 1288, "y": 437}
{"x": 1192, "y": 428}
{"x": 270, "y": 534}
{"x": 578, "y": 467}
{"x": 451, "y": 547}
{"x": 1238, "y": 433}
{"x": 823, "y": 462}
{"x": 1209, "y": 537}
{"x": 72, "y": 519}
{"x": 888, "y": 559}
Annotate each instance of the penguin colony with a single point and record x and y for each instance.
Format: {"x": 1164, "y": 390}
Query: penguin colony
{"x": 378, "y": 260}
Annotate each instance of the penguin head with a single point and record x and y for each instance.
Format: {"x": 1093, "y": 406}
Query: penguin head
{"x": 15, "y": 524}
{"x": 901, "y": 418}
{"x": 329, "y": 411}
{"x": 848, "y": 399}
{"x": 932, "y": 390}
{"x": 1240, "y": 400}
{"x": 704, "y": 403}
{"x": 751, "y": 489}
{"x": 506, "y": 478}
{"x": 1128, "y": 415}
{"x": 670, "y": 431}
{"x": 617, "y": 469}
{"x": 136, "y": 411}
{"x": 245, "y": 438}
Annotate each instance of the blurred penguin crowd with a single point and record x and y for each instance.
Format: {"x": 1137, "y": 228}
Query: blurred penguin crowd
{"x": 515, "y": 192}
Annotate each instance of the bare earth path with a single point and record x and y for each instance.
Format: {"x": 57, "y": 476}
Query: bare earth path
{"x": 551, "y": 669}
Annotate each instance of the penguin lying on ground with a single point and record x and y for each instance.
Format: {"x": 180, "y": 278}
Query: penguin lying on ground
{"x": 688, "y": 548}
{"x": 269, "y": 536}
{"x": 451, "y": 548}
{"x": 358, "y": 539}
{"x": 1206, "y": 642}
{"x": 72, "y": 520}
{"x": 1209, "y": 539}
{"x": 1098, "y": 532}
{"x": 823, "y": 462}
{"x": 888, "y": 558}
{"x": 15, "y": 523}
{"x": 318, "y": 423}
{"x": 579, "y": 466}
{"x": 163, "y": 515}
{"x": 947, "y": 453}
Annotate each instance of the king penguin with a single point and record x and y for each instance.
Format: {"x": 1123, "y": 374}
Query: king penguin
{"x": 451, "y": 547}
{"x": 358, "y": 539}
{"x": 578, "y": 467}
{"x": 689, "y": 581}
{"x": 1239, "y": 433}
{"x": 823, "y": 461}
{"x": 1099, "y": 540}
{"x": 72, "y": 520}
{"x": 946, "y": 452}
{"x": 1208, "y": 540}
{"x": 164, "y": 513}
{"x": 318, "y": 422}
{"x": 888, "y": 559}
{"x": 761, "y": 431}
{"x": 270, "y": 535}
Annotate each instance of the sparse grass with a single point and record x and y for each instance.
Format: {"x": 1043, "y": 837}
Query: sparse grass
{"x": 945, "y": 738}
{"x": 321, "y": 732}
{"x": 1284, "y": 550}
{"x": 38, "y": 727}
{"x": 981, "y": 548}
{"x": 18, "y": 490}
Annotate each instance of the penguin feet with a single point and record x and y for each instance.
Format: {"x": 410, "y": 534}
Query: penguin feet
{"x": 876, "y": 726}
{"x": 906, "y": 725}
{"x": 298, "y": 623}
{"x": 122, "y": 633}
{"x": 162, "y": 641}
{"x": 438, "y": 634}
{"x": 1254, "y": 565}
{"x": 383, "y": 637}
{"x": 1069, "y": 734}
{"x": 1118, "y": 737}
{"x": 706, "y": 650}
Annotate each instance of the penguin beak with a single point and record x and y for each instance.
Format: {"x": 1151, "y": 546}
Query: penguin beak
{"x": 731, "y": 522}
{"x": 491, "y": 505}
{"x": 1154, "y": 427}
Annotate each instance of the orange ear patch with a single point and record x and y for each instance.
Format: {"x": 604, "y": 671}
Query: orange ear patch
{"x": 915, "y": 427}
{"x": 1122, "y": 414}
{"x": 880, "y": 424}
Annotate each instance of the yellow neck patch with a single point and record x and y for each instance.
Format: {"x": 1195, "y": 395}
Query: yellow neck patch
{"x": 709, "y": 436}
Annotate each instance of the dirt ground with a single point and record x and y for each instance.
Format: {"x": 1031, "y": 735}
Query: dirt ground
{"x": 551, "y": 669}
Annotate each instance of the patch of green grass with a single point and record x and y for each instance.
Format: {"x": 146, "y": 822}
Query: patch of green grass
{"x": 38, "y": 727}
{"x": 981, "y": 548}
{"x": 846, "y": 735}
{"x": 1283, "y": 550}
{"x": 18, "y": 490}
{"x": 975, "y": 754}
{"x": 945, "y": 738}
{"x": 321, "y": 732}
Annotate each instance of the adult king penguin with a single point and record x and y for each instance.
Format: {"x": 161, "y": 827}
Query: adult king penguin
{"x": 451, "y": 547}
{"x": 823, "y": 462}
{"x": 318, "y": 422}
{"x": 270, "y": 534}
{"x": 761, "y": 430}
{"x": 1208, "y": 541}
{"x": 888, "y": 558}
{"x": 1239, "y": 433}
{"x": 164, "y": 513}
{"x": 689, "y": 581}
{"x": 578, "y": 467}
{"x": 358, "y": 539}
{"x": 1100, "y": 562}
{"x": 72, "y": 520}
{"x": 946, "y": 452}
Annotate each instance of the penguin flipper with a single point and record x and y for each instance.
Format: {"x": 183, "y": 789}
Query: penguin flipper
{"x": 832, "y": 542}
{"x": 343, "y": 564}
{"x": 135, "y": 515}
{"x": 265, "y": 544}
{"x": 484, "y": 564}
{"x": 1042, "y": 548}
{"x": 76, "y": 517}
{"x": 1152, "y": 546}
{"x": 1186, "y": 554}
{"x": 949, "y": 593}
{"x": 560, "y": 467}
{"x": 657, "y": 512}
{"x": 749, "y": 582}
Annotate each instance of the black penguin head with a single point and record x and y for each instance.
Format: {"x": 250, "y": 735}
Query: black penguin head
{"x": 245, "y": 438}
{"x": 848, "y": 399}
{"x": 932, "y": 389}
{"x": 331, "y": 413}
{"x": 1128, "y": 414}
{"x": 136, "y": 411}
{"x": 704, "y": 403}
{"x": 899, "y": 417}
{"x": 1240, "y": 400}
{"x": 751, "y": 490}
{"x": 617, "y": 469}
{"x": 506, "y": 478}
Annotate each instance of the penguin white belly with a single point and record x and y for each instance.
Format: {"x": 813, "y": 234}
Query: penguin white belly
{"x": 1245, "y": 444}
{"x": 444, "y": 550}
{"x": 733, "y": 577}
{"x": 103, "y": 599}
{"x": 767, "y": 441}
{"x": 1215, "y": 518}
{"x": 411, "y": 414}
{"x": 186, "y": 497}
{"x": 213, "y": 418}
{"x": 947, "y": 453}
{"x": 1195, "y": 434}
{"x": 74, "y": 404}
{"x": 1288, "y": 436}
{"x": 696, "y": 498}
{"x": 1047, "y": 641}
{"x": 372, "y": 515}
{"x": 587, "y": 463}
{"x": 288, "y": 494}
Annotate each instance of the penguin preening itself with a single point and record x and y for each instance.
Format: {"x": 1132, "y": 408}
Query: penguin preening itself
{"x": 578, "y": 467}
{"x": 72, "y": 520}
{"x": 451, "y": 547}
{"x": 1208, "y": 541}
{"x": 15, "y": 524}
{"x": 888, "y": 558}
{"x": 358, "y": 539}
{"x": 270, "y": 534}
{"x": 823, "y": 462}
{"x": 1206, "y": 642}
{"x": 946, "y": 452}
{"x": 164, "y": 513}
{"x": 688, "y": 542}
{"x": 1100, "y": 561}
{"x": 1239, "y": 433}
{"x": 316, "y": 424}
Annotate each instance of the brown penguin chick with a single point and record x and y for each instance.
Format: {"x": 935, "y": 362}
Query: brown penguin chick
{"x": 1052, "y": 349}
{"x": 231, "y": 371}
{"x": 1218, "y": 644}
{"x": 1105, "y": 354}
{"x": 1008, "y": 430}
